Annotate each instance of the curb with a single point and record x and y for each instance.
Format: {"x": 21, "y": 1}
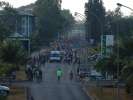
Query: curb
{"x": 91, "y": 97}
{"x": 87, "y": 92}
{"x": 28, "y": 94}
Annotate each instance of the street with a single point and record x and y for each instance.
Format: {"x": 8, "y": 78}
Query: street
{"x": 52, "y": 89}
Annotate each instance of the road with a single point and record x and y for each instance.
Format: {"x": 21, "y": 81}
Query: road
{"x": 51, "y": 89}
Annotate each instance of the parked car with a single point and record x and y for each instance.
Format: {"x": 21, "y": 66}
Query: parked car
{"x": 95, "y": 57}
{"x": 95, "y": 77}
{"x": 4, "y": 90}
{"x": 83, "y": 71}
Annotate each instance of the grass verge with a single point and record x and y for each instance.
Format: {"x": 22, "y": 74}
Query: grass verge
{"x": 107, "y": 94}
{"x": 17, "y": 93}
{"x": 20, "y": 75}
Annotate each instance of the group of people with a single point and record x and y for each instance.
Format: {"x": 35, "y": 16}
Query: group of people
{"x": 33, "y": 70}
{"x": 71, "y": 57}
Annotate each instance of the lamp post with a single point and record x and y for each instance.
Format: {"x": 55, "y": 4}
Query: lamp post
{"x": 82, "y": 22}
{"x": 98, "y": 19}
{"x": 121, "y": 5}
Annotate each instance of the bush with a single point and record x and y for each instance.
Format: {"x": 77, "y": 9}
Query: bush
{"x": 129, "y": 84}
{"x": 127, "y": 75}
{"x": 5, "y": 69}
{"x": 12, "y": 52}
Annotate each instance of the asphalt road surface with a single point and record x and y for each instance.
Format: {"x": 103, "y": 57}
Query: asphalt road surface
{"x": 52, "y": 89}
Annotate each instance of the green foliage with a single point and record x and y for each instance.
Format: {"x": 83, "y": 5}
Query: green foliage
{"x": 68, "y": 20}
{"x": 12, "y": 52}
{"x": 120, "y": 62}
{"x": 127, "y": 75}
{"x": 3, "y": 98}
{"x": 8, "y": 18}
{"x": 49, "y": 20}
{"x": 108, "y": 65}
{"x": 116, "y": 23}
{"x": 129, "y": 85}
{"x": 111, "y": 65}
{"x": 127, "y": 70}
{"x": 95, "y": 13}
{"x": 5, "y": 68}
{"x": 4, "y": 31}
{"x": 101, "y": 65}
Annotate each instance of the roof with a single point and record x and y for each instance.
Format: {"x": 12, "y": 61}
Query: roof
{"x": 25, "y": 12}
{"x": 16, "y": 35}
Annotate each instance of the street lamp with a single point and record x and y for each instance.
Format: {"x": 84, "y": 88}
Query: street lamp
{"x": 98, "y": 19}
{"x": 121, "y": 5}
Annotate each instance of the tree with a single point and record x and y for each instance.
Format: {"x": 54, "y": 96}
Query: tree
{"x": 8, "y": 17}
{"x": 127, "y": 75}
{"x": 117, "y": 23}
{"x": 109, "y": 66}
{"x": 95, "y": 15}
{"x": 11, "y": 52}
{"x": 49, "y": 20}
{"x": 68, "y": 20}
{"x": 125, "y": 68}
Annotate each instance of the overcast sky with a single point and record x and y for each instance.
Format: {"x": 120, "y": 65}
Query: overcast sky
{"x": 78, "y": 5}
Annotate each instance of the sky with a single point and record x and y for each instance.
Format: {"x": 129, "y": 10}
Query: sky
{"x": 78, "y": 5}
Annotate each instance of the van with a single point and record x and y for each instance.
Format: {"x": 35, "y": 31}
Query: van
{"x": 55, "y": 56}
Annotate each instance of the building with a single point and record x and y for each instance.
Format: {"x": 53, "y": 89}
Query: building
{"x": 25, "y": 25}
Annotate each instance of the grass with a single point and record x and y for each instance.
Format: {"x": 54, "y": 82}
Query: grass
{"x": 108, "y": 94}
{"x": 17, "y": 93}
{"x": 3, "y": 98}
{"x": 20, "y": 75}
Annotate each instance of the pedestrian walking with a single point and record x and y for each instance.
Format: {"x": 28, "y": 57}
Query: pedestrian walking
{"x": 71, "y": 75}
{"x": 31, "y": 98}
{"x": 40, "y": 74}
{"x": 28, "y": 72}
{"x": 59, "y": 73}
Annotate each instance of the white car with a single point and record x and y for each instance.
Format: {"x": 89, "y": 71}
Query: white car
{"x": 4, "y": 90}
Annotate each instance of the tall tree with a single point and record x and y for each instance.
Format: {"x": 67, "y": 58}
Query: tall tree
{"x": 117, "y": 23}
{"x": 8, "y": 16}
{"x": 49, "y": 20}
{"x": 68, "y": 20}
{"x": 95, "y": 15}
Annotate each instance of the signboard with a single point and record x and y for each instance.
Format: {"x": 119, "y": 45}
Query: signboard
{"x": 107, "y": 43}
{"x": 109, "y": 40}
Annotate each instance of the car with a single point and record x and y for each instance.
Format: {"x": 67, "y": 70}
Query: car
{"x": 4, "y": 90}
{"x": 83, "y": 71}
{"x": 95, "y": 57}
{"x": 96, "y": 77}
